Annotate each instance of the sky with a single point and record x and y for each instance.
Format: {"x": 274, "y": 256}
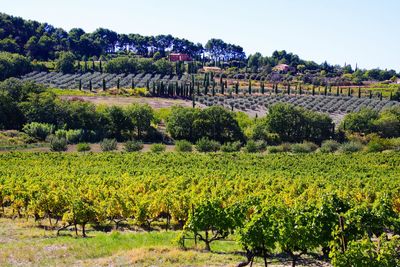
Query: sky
{"x": 362, "y": 32}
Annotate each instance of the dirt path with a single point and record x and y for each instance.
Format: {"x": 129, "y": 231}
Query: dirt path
{"x": 154, "y": 102}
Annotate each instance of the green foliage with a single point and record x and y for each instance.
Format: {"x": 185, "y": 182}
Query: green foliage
{"x": 252, "y": 146}
{"x": 183, "y": 146}
{"x": 108, "y": 145}
{"x": 72, "y": 136}
{"x": 231, "y": 147}
{"x": 141, "y": 117}
{"x": 378, "y": 144}
{"x": 65, "y": 62}
{"x": 122, "y": 65}
{"x": 83, "y": 147}
{"x": 192, "y": 124}
{"x": 158, "y": 148}
{"x": 133, "y": 145}
{"x": 306, "y": 147}
{"x": 351, "y": 147}
{"x": 365, "y": 252}
{"x": 206, "y": 145}
{"x": 294, "y": 124}
{"x": 58, "y": 144}
{"x": 210, "y": 221}
{"x": 38, "y": 130}
{"x": 13, "y": 65}
{"x": 360, "y": 122}
{"x": 329, "y": 146}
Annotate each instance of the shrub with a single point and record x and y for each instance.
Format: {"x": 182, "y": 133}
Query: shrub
{"x": 183, "y": 146}
{"x": 285, "y": 147}
{"x": 132, "y": 146}
{"x": 351, "y": 147}
{"x": 58, "y": 144}
{"x": 158, "y": 148}
{"x": 378, "y": 145}
{"x": 38, "y": 130}
{"x": 306, "y": 147}
{"x": 72, "y": 136}
{"x": 83, "y": 147}
{"x": 251, "y": 146}
{"x": 231, "y": 147}
{"x": 108, "y": 144}
{"x": 329, "y": 146}
{"x": 206, "y": 145}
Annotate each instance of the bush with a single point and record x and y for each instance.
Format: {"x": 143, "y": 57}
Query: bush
{"x": 351, "y": 147}
{"x": 306, "y": 147}
{"x": 158, "y": 148}
{"x": 72, "y": 136}
{"x": 58, "y": 144}
{"x": 183, "y": 146}
{"x": 329, "y": 146}
{"x": 378, "y": 145}
{"x": 231, "y": 147}
{"x": 132, "y": 146}
{"x": 206, "y": 145}
{"x": 38, "y": 130}
{"x": 108, "y": 144}
{"x": 83, "y": 147}
{"x": 252, "y": 146}
{"x": 285, "y": 147}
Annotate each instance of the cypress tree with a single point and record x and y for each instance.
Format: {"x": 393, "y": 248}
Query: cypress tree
{"x": 222, "y": 87}
{"x": 262, "y": 88}
{"x": 359, "y": 92}
{"x": 288, "y": 89}
{"x": 370, "y": 94}
{"x": 147, "y": 84}
{"x": 80, "y": 84}
{"x": 100, "y": 66}
{"x": 381, "y": 96}
{"x": 104, "y": 84}
{"x": 337, "y": 91}
{"x": 90, "y": 85}
{"x": 118, "y": 84}
{"x": 250, "y": 86}
{"x": 326, "y": 90}
{"x": 85, "y": 67}
{"x": 133, "y": 83}
{"x": 237, "y": 87}
{"x": 391, "y": 96}
{"x": 213, "y": 89}
{"x": 154, "y": 88}
{"x": 349, "y": 92}
{"x": 300, "y": 91}
{"x": 276, "y": 89}
{"x": 313, "y": 90}
{"x": 93, "y": 66}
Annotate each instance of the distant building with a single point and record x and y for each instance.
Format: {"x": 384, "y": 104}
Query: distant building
{"x": 211, "y": 69}
{"x": 283, "y": 68}
{"x": 179, "y": 57}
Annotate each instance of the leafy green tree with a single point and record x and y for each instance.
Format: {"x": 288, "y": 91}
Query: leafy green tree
{"x": 65, "y": 62}
{"x": 141, "y": 117}
{"x": 360, "y": 122}
{"x": 259, "y": 235}
{"x": 210, "y": 221}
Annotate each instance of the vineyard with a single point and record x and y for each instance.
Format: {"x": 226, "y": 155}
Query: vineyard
{"x": 251, "y": 100}
{"x": 330, "y": 202}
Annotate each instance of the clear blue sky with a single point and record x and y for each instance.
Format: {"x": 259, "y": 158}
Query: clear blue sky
{"x": 352, "y": 31}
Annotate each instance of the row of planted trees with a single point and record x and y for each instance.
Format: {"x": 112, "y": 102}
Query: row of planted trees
{"x": 346, "y": 231}
{"x": 208, "y": 86}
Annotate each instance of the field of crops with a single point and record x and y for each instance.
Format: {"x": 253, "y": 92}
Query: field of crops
{"x": 71, "y": 81}
{"x": 320, "y": 103}
{"x": 166, "y": 188}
